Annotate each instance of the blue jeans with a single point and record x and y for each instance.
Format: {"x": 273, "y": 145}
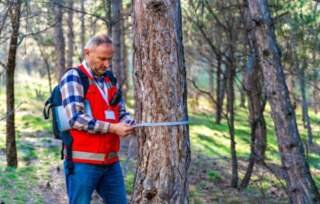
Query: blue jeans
{"x": 107, "y": 180}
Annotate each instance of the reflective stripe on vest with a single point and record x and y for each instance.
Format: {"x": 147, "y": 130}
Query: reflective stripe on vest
{"x": 92, "y": 156}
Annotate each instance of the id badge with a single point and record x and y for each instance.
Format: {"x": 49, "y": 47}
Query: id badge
{"x": 110, "y": 115}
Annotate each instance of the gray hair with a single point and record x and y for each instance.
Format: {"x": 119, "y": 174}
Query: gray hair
{"x": 98, "y": 40}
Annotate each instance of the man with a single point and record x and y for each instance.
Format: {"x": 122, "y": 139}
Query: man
{"x": 95, "y": 136}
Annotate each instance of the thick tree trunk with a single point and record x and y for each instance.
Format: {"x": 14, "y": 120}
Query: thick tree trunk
{"x": 11, "y": 149}
{"x": 70, "y": 35}
{"x": 161, "y": 94}
{"x": 58, "y": 37}
{"x": 301, "y": 186}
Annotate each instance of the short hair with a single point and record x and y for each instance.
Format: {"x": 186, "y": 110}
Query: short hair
{"x": 98, "y": 40}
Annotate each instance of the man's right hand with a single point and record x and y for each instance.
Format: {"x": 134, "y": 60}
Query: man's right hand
{"x": 121, "y": 129}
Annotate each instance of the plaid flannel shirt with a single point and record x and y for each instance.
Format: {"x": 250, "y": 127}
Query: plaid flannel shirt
{"x": 73, "y": 102}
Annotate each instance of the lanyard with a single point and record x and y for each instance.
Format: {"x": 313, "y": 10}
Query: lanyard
{"x": 104, "y": 93}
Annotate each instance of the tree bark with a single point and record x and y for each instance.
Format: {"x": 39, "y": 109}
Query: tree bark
{"x": 161, "y": 95}
{"x": 124, "y": 60}
{"x": 117, "y": 69}
{"x": 58, "y": 37}
{"x": 230, "y": 74}
{"x": 301, "y": 186}
{"x": 107, "y": 8}
{"x": 256, "y": 103}
{"x": 253, "y": 85}
{"x": 82, "y": 29}
{"x": 304, "y": 102}
{"x": 220, "y": 90}
{"x": 70, "y": 35}
{"x": 11, "y": 149}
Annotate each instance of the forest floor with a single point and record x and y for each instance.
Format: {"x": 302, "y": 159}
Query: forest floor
{"x": 40, "y": 178}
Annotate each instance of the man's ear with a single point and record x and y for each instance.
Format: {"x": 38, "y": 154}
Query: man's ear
{"x": 86, "y": 51}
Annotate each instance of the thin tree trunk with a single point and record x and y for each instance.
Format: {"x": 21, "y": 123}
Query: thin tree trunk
{"x": 82, "y": 29}
{"x": 211, "y": 78}
{"x": 58, "y": 37}
{"x": 124, "y": 60}
{"x": 304, "y": 102}
{"x": 161, "y": 95}
{"x": 230, "y": 119}
{"x": 219, "y": 91}
{"x": 70, "y": 35}
{"x": 116, "y": 40}
{"x": 11, "y": 149}
{"x": 256, "y": 104}
{"x": 107, "y": 9}
{"x": 253, "y": 85}
{"x": 301, "y": 186}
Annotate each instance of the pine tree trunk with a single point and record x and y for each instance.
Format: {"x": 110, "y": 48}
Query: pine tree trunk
{"x": 219, "y": 91}
{"x": 58, "y": 37}
{"x": 304, "y": 102}
{"x": 253, "y": 85}
{"x": 161, "y": 95}
{"x": 230, "y": 74}
{"x": 82, "y": 29}
{"x": 108, "y": 11}
{"x": 117, "y": 69}
{"x": 301, "y": 186}
{"x": 124, "y": 60}
{"x": 70, "y": 35}
{"x": 11, "y": 149}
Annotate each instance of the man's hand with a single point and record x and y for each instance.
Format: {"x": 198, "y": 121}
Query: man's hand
{"x": 121, "y": 129}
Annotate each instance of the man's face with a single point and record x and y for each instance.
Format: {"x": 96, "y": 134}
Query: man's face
{"x": 99, "y": 58}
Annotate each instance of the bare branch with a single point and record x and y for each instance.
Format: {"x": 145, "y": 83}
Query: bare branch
{"x": 13, "y": 111}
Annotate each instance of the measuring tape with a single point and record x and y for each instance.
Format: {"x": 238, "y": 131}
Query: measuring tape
{"x": 155, "y": 124}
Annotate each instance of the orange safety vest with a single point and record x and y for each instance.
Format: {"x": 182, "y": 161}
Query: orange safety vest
{"x": 97, "y": 148}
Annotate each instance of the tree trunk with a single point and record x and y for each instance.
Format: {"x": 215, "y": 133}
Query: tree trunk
{"x": 161, "y": 95}
{"x": 117, "y": 69}
{"x": 304, "y": 102}
{"x": 230, "y": 74}
{"x": 253, "y": 85}
{"x": 11, "y": 149}
{"x": 70, "y": 34}
{"x": 124, "y": 60}
{"x": 211, "y": 78}
{"x": 256, "y": 103}
{"x": 107, "y": 9}
{"x": 301, "y": 186}
{"x": 82, "y": 29}
{"x": 219, "y": 91}
{"x": 58, "y": 37}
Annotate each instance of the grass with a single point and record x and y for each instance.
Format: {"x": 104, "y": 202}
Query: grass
{"x": 38, "y": 152}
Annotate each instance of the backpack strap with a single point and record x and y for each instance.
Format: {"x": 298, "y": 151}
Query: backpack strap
{"x": 83, "y": 79}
